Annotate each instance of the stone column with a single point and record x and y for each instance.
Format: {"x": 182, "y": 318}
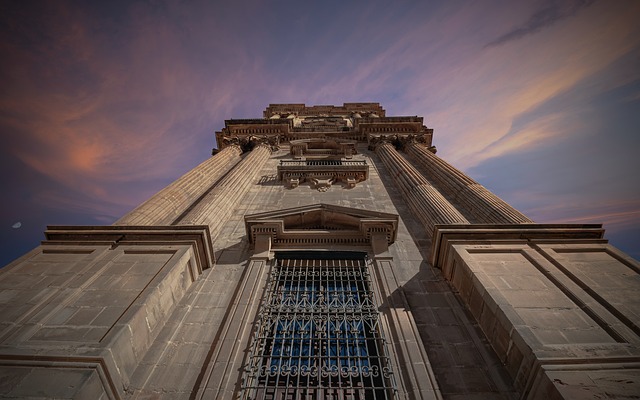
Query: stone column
{"x": 217, "y": 205}
{"x": 169, "y": 203}
{"x": 481, "y": 203}
{"x": 425, "y": 201}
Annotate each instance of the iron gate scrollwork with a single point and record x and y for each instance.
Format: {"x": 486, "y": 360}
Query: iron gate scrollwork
{"x": 318, "y": 334}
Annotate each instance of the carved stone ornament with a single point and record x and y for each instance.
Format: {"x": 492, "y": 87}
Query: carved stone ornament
{"x": 375, "y": 141}
{"x": 321, "y": 223}
{"x": 399, "y": 141}
{"x": 247, "y": 143}
{"x": 322, "y": 173}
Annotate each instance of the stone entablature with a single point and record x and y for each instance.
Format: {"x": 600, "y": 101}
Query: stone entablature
{"x": 322, "y": 173}
{"x": 329, "y": 110}
{"x": 297, "y": 122}
{"x": 197, "y": 236}
{"x": 390, "y": 127}
{"x": 320, "y": 225}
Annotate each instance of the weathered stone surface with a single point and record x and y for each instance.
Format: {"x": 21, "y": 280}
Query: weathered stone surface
{"x": 148, "y": 312}
{"x": 88, "y": 333}
{"x": 539, "y": 315}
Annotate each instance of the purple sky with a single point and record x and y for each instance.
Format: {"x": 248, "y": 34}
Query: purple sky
{"x": 104, "y": 104}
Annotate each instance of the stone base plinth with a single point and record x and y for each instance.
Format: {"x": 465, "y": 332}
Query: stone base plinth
{"x": 79, "y": 312}
{"x": 558, "y": 304}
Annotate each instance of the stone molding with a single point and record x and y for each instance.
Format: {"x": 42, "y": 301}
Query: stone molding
{"x": 445, "y": 236}
{"x": 91, "y": 301}
{"x": 556, "y": 302}
{"x": 196, "y": 235}
{"x": 102, "y": 385}
{"x": 322, "y": 173}
{"x": 333, "y": 225}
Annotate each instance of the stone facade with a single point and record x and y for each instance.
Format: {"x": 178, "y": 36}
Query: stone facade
{"x": 473, "y": 300}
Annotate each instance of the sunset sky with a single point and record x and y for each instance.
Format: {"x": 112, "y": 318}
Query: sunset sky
{"x": 104, "y": 103}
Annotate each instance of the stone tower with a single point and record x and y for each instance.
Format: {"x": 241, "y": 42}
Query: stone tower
{"x": 322, "y": 252}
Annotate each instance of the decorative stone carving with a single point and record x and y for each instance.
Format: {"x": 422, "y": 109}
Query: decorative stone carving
{"x": 375, "y": 141}
{"x": 400, "y": 141}
{"x": 292, "y": 182}
{"x": 322, "y": 173}
{"x": 322, "y": 183}
{"x": 321, "y": 223}
{"x": 249, "y": 142}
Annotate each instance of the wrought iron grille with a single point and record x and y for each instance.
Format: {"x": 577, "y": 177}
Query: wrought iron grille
{"x": 318, "y": 335}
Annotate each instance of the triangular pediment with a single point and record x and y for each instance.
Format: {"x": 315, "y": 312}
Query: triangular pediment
{"x": 321, "y": 223}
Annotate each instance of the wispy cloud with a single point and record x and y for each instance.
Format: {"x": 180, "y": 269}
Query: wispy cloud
{"x": 98, "y": 112}
{"x": 500, "y": 84}
{"x": 617, "y": 214}
{"x": 542, "y": 18}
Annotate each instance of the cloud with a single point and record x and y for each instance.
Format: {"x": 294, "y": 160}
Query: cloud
{"x": 496, "y": 87}
{"x": 618, "y": 215}
{"x": 98, "y": 109}
{"x": 112, "y": 103}
{"x": 540, "y": 131}
{"x": 542, "y": 18}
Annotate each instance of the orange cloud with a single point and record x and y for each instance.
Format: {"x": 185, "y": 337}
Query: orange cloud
{"x": 508, "y": 81}
{"x": 95, "y": 115}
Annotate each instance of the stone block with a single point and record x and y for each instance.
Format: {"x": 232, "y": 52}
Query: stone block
{"x": 108, "y": 316}
{"x": 10, "y": 378}
{"x": 60, "y": 383}
{"x": 61, "y": 333}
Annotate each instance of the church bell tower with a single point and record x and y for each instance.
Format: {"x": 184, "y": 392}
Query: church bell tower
{"x": 322, "y": 252}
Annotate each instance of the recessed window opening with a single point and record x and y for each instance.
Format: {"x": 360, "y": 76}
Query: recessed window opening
{"x": 318, "y": 332}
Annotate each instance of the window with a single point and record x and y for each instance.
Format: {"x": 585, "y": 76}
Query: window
{"x": 318, "y": 334}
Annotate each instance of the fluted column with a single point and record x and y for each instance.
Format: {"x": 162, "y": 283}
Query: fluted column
{"x": 425, "y": 201}
{"x": 485, "y": 206}
{"x": 217, "y": 205}
{"x": 169, "y": 203}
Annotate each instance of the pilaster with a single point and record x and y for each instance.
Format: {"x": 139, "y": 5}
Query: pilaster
{"x": 415, "y": 376}
{"x": 216, "y": 206}
{"x": 485, "y": 206}
{"x": 222, "y": 374}
{"x": 168, "y": 204}
{"x": 425, "y": 201}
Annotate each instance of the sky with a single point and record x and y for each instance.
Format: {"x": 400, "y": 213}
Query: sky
{"x": 104, "y": 103}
